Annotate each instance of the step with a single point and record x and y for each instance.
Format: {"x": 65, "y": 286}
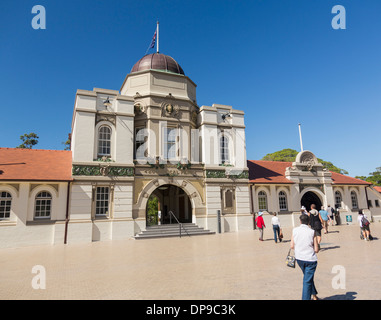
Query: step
{"x": 155, "y": 236}
{"x": 172, "y": 230}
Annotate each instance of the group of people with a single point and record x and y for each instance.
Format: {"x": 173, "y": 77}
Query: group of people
{"x": 260, "y": 223}
{"x": 318, "y": 220}
{"x": 306, "y": 238}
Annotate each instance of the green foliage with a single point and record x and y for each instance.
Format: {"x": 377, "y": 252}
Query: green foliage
{"x": 67, "y": 144}
{"x": 329, "y": 166}
{"x": 152, "y": 209}
{"x": 289, "y": 155}
{"x": 28, "y": 140}
{"x": 374, "y": 177}
{"x": 285, "y": 155}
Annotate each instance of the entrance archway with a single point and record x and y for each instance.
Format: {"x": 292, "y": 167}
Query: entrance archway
{"x": 309, "y": 198}
{"x": 168, "y": 198}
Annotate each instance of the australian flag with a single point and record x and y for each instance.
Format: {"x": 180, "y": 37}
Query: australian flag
{"x": 153, "y": 40}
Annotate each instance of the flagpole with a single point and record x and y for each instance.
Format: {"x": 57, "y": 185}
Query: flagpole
{"x": 300, "y": 137}
{"x": 157, "y": 34}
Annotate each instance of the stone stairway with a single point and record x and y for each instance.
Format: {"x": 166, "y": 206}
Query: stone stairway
{"x": 172, "y": 230}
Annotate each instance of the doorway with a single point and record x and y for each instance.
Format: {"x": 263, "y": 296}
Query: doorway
{"x": 168, "y": 198}
{"x": 311, "y": 198}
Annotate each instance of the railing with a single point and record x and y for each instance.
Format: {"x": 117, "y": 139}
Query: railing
{"x": 180, "y": 224}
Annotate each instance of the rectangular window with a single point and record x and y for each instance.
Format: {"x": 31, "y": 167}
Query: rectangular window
{"x": 228, "y": 199}
{"x": 102, "y": 201}
{"x": 5, "y": 205}
{"x": 370, "y": 204}
{"x": 170, "y": 143}
{"x": 262, "y": 201}
{"x": 354, "y": 200}
{"x": 104, "y": 141}
{"x": 43, "y": 205}
{"x": 139, "y": 143}
{"x": 224, "y": 150}
{"x": 282, "y": 203}
{"x": 377, "y": 203}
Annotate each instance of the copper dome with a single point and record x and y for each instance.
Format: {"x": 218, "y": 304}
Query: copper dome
{"x": 157, "y": 61}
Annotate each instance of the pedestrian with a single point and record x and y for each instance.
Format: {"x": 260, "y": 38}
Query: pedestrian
{"x": 364, "y": 224}
{"x": 337, "y": 216}
{"x": 260, "y": 225}
{"x": 305, "y": 245}
{"x": 331, "y": 213}
{"x": 316, "y": 222}
{"x": 325, "y": 216}
{"x": 276, "y": 228}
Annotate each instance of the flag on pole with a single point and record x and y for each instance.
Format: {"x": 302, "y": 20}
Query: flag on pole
{"x": 153, "y": 40}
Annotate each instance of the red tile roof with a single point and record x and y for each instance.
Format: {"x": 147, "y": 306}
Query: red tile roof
{"x": 30, "y": 164}
{"x": 261, "y": 171}
{"x": 268, "y": 171}
{"x": 342, "y": 179}
{"x": 377, "y": 188}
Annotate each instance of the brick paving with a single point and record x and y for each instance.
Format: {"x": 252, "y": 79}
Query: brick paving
{"x": 231, "y": 266}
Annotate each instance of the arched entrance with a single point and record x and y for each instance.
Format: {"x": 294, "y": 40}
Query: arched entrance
{"x": 309, "y": 198}
{"x": 168, "y": 198}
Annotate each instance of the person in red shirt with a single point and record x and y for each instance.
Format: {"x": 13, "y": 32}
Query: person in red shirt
{"x": 260, "y": 225}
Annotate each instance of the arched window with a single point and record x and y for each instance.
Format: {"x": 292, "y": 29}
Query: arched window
{"x": 338, "y": 199}
{"x": 43, "y": 205}
{"x": 104, "y": 141}
{"x": 5, "y": 205}
{"x": 224, "y": 149}
{"x": 262, "y": 200}
{"x": 282, "y": 201}
{"x": 355, "y": 204}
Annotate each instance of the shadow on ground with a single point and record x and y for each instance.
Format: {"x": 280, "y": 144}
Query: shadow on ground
{"x": 329, "y": 248}
{"x": 346, "y": 296}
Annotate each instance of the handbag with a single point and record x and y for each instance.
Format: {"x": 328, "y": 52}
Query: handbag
{"x": 290, "y": 260}
{"x": 280, "y": 234}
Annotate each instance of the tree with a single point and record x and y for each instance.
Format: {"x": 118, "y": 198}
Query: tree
{"x": 152, "y": 210}
{"x": 289, "y": 155}
{"x": 374, "y": 177}
{"x": 67, "y": 143}
{"x": 28, "y": 140}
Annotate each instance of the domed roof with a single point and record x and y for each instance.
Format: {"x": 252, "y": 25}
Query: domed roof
{"x": 157, "y": 61}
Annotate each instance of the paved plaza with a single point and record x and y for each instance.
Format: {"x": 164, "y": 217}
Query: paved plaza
{"x": 232, "y": 266}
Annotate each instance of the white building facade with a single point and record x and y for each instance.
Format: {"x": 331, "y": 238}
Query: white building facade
{"x": 151, "y": 140}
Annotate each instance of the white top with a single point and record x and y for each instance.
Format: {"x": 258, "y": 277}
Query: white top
{"x": 359, "y": 218}
{"x": 275, "y": 221}
{"x": 304, "y": 243}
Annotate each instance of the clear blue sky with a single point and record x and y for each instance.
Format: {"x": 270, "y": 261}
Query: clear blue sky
{"x": 279, "y": 61}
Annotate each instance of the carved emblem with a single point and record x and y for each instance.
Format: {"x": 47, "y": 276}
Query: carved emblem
{"x": 104, "y": 117}
{"x": 170, "y": 110}
{"x": 309, "y": 160}
{"x": 139, "y": 108}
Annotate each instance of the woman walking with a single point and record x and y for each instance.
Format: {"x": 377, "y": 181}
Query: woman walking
{"x": 260, "y": 225}
{"x": 316, "y": 223}
{"x": 305, "y": 245}
{"x": 276, "y": 228}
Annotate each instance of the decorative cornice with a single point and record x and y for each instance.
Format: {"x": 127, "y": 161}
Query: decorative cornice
{"x": 219, "y": 174}
{"x": 102, "y": 170}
